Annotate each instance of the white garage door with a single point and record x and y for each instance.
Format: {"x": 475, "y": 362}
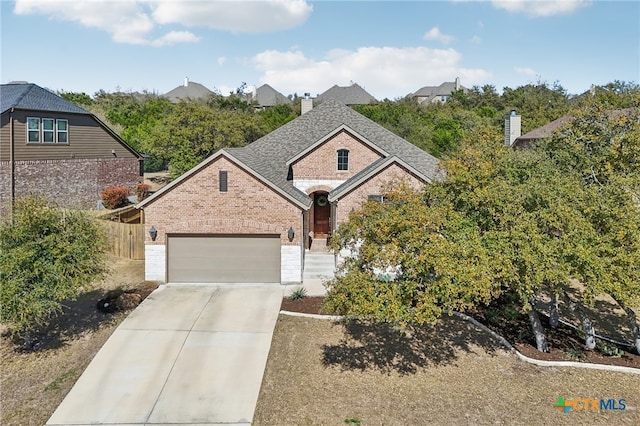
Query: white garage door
{"x": 223, "y": 259}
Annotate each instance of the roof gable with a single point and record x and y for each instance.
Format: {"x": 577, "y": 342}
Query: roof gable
{"x": 228, "y": 154}
{"x": 330, "y": 135}
{"x": 371, "y": 171}
{"x": 29, "y": 96}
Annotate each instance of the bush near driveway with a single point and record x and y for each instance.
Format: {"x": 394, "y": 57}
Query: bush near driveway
{"x": 46, "y": 255}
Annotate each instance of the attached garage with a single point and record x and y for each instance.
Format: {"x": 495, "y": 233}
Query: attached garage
{"x": 223, "y": 258}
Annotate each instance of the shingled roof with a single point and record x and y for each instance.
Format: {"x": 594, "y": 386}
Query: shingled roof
{"x": 188, "y": 91}
{"x": 29, "y": 96}
{"x": 267, "y": 157}
{"x": 350, "y": 95}
{"x": 267, "y": 96}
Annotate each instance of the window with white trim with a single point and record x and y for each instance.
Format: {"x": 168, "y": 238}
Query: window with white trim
{"x": 33, "y": 130}
{"x": 47, "y": 130}
{"x": 343, "y": 159}
{"x": 62, "y": 135}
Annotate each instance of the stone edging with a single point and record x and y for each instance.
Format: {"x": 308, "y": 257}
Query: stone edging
{"x": 502, "y": 340}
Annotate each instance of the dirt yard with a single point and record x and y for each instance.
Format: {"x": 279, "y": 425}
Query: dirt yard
{"x": 321, "y": 373}
{"x": 34, "y": 383}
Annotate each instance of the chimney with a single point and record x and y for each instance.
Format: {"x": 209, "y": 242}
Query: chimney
{"x": 306, "y": 103}
{"x": 512, "y": 128}
{"x": 457, "y": 83}
{"x": 186, "y": 81}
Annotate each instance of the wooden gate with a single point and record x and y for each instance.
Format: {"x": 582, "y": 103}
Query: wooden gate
{"x": 125, "y": 239}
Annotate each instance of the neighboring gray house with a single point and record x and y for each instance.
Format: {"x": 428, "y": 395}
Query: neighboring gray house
{"x": 437, "y": 94}
{"x": 266, "y": 96}
{"x": 188, "y": 91}
{"x": 349, "y": 95}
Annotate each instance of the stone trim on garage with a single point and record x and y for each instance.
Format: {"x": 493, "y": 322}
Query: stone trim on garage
{"x": 155, "y": 267}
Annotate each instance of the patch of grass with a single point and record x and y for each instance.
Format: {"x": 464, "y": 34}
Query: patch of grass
{"x": 353, "y": 421}
{"x": 57, "y": 383}
{"x": 609, "y": 349}
{"x": 575, "y": 354}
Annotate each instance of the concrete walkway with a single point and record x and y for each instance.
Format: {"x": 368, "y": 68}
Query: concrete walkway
{"x": 189, "y": 354}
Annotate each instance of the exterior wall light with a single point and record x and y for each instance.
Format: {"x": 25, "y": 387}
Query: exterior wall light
{"x": 153, "y": 233}
{"x": 291, "y": 233}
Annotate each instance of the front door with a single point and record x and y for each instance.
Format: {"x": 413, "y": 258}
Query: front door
{"x": 321, "y": 213}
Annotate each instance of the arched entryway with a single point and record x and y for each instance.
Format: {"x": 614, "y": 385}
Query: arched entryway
{"x": 321, "y": 221}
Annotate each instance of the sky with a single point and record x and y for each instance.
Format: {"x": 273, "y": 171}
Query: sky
{"x": 390, "y": 48}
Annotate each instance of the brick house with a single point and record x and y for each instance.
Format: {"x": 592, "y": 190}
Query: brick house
{"x": 52, "y": 147}
{"x": 244, "y": 214}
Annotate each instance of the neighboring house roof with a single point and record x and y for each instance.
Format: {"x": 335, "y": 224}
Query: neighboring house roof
{"x": 547, "y": 131}
{"x": 267, "y": 96}
{"x": 430, "y": 93}
{"x": 269, "y": 157}
{"x": 188, "y": 91}
{"x": 350, "y": 95}
{"x": 29, "y": 96}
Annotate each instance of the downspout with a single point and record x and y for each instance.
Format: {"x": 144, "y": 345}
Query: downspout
{"x": 303, "y": 240}
{"x": 12, "y": 167}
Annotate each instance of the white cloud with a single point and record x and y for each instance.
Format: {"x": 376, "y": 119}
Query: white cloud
{"x": 136, "y": 21}
{"x": 385, "y": 72}
{"x": 476, "y": 40}
{"x": 435, "y": 34}
{"x": 221, "y": 60}
{"x": 124, "y": 20}
{"x": 525, "y": 70}
{"x": 238, "y": 16}
{"x": 174, "y": 37}
{"x": 540, "y": 7}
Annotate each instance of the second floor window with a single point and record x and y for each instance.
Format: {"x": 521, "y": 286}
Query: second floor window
{"x": 343, "y": 159}
{"x": 47, "y": 130}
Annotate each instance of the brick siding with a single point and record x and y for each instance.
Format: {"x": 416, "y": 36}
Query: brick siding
{"x": 374, "y": 186}
{"x": 72, "y": 182}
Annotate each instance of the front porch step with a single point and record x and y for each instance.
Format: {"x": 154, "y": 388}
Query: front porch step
{"x": 319, "y": 245}
{"x": 318, "y": 266}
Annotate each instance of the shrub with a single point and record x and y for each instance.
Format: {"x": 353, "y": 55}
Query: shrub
{"x": 47, "y": 255}
{"x": 142, "y": 191}
{"x": 298, "y": 294}
{"x": 115, "y": 196}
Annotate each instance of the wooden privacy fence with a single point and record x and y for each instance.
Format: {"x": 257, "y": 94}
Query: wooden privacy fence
{"x": 125, "y": 239}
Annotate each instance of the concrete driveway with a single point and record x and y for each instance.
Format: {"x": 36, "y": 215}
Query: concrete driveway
{"x": 189, "y": 354}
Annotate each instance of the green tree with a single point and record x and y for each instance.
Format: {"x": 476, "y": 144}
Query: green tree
{"x": 277, "y": 116}
{"x": 194, "y": 131}
{"x": 409, "y": 262}
{"x": 47, "y": 255}
{"x": 80, "y": 99}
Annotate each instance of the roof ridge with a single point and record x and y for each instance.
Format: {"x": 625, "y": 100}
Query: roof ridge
{"x": 31, "y": 86}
